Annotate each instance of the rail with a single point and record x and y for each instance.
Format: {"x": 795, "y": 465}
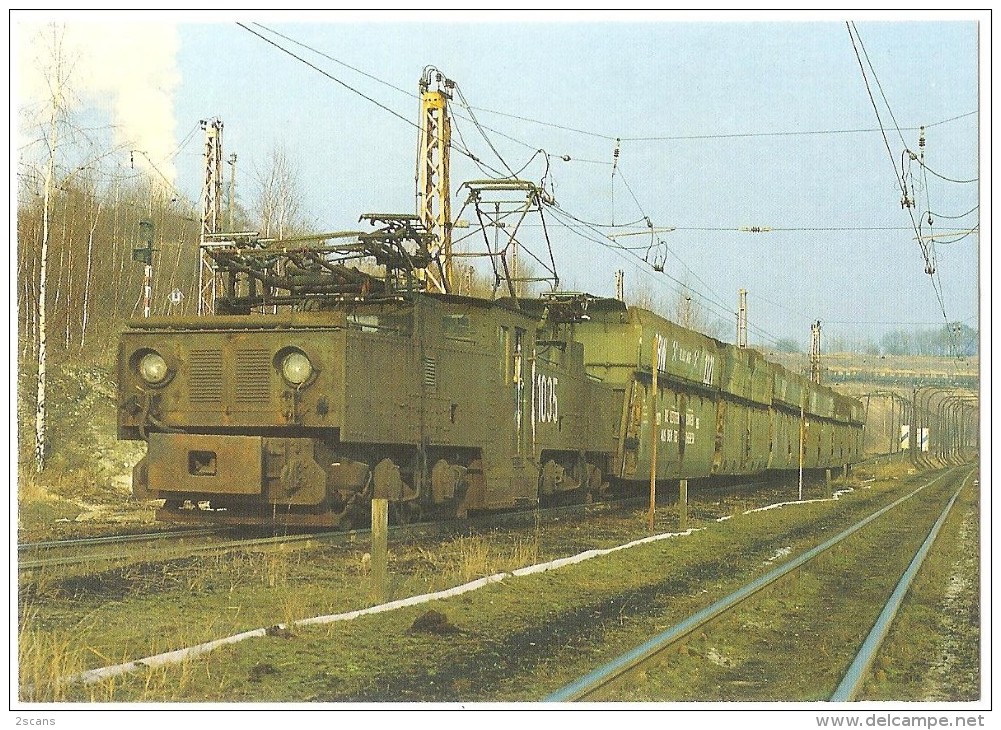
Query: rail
{"x": 857, "y": 672}
{"x": 594, "y": 681}
{"x": 334, "y": 536}
{"x": 114, "y": 539}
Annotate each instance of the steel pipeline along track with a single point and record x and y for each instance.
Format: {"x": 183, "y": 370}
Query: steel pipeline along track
{"x": 612, "y": 673}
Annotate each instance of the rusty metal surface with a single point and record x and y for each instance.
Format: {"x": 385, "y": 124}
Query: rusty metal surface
{"x": 205, "y": 464}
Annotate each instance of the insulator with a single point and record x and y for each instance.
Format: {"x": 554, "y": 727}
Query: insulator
{"x": 930, "y": 221}
{"x": 921, "y": 138}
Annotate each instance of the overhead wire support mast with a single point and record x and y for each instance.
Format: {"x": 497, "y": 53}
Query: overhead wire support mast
{"x": 211, "y": 214}
{"x": 434, "y": 207}
{"x": 815, "y": 352}
{"x": 742, "y": 318}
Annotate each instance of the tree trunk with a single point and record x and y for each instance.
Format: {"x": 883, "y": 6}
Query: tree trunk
{"x": 42, "y": 273}
{"x": 86, "y": 283}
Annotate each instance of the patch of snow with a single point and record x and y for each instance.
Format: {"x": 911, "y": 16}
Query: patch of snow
{"x": 780, "y": 553}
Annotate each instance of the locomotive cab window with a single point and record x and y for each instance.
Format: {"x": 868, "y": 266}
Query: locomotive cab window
{"x": 457, "y": 327}
{"x": 504, "y": 346}
{"x": 400, "y": 323}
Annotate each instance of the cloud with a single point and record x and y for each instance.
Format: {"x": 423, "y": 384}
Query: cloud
{"x": 125, "y": 72}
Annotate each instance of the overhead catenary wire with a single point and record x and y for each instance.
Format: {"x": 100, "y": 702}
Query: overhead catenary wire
{"x": 952, "y": 217}
{"x": 879, "y": 86}
{"x": 480, "y": 164}
{"x": 347, "y": 86}
{"x": 646, "y": 218}
{"x": 962, "y": 235}
{"x": 940, "y": 175}
{"x": 715, "y": 135}
{"x": 601, "y": 135}
{"x": 482, "y": 131}
{"x": 779, "y": 229}
{"x": 927, "y": 250}
{"x": 535, "y": 148}
{"x": 713, "y": 304}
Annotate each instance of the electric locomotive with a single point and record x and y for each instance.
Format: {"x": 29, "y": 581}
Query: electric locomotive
{"x": 355, "y": 387}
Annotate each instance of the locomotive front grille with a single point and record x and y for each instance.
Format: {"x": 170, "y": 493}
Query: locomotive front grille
{"x": 205, "y": 381}
{"x": 253, "y": 376}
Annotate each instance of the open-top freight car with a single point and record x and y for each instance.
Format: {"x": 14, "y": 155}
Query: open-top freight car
{"x": 722, "y": 410}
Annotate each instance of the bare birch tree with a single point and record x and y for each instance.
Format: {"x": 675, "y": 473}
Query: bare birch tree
{"x": 57, "y": 74}
{"x": 95, "y": 216}
{"x": 278, "y": 195}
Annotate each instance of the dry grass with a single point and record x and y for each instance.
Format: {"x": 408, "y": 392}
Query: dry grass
{"x": 44, "y": 659}
{"x": 469, "y": 558}
{"x": 898, "y": 469}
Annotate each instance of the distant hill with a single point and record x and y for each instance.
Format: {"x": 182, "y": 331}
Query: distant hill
{"x": 891, "y": 371}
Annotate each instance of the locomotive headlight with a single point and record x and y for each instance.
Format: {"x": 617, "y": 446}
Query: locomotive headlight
{"x": 296, "y": 368}
{"x": 153, "y": 368}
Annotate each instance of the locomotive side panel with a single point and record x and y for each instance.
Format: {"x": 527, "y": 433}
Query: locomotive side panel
{"x": 382, "y": 402}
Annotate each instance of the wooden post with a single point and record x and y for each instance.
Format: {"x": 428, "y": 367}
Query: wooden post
{"x": 827, "y": 481}
{"x": 683, "y": 505}
{"x": 380, "y": 549}
{"x": 802, "y": 422}
{"x": 654, "y": 431}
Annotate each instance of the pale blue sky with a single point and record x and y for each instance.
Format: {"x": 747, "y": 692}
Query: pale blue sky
{"x": 657, "y": 78}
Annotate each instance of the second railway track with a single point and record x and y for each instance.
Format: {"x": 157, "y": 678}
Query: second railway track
{"x": 795, "y": 652}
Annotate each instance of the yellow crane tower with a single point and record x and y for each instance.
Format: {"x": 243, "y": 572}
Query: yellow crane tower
{"x": 434, "y": 207}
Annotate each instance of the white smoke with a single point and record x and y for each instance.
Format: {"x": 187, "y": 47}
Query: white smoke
{"x": 125, "y": 72}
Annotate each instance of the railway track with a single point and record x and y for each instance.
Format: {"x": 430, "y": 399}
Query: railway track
{"x": 167, "y": 545}
{"x": 120, "y": 549}
{"x": 170, "y": 545}
{"x": 484, "y": 653}
{"x": 622, "y": 674}
{"x": 75, "y": 543}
